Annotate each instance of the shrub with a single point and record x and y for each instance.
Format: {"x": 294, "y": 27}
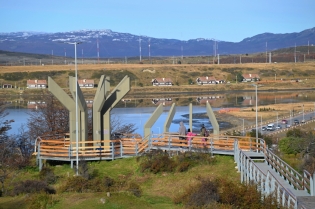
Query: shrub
{"x": 108, "y": 183}
{"x": 95, "y": 173}
{"x": 201, "y": 195}
{"x": 95, "y": 185}
{"x": 42, "y": 201}
{"x": 47, "y": 175}
{"x": 183, "y": 166}
{"x": 156, "y": 162}
{"x": 134, "y": 188}
{"x": 75, "y": 184}
{"x": 222, "y": 193}
{"x": 32, "y": 186}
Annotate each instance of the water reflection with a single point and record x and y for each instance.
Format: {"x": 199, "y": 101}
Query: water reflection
{"x": 138, "y": 110}
{"x": 220, "y": 100}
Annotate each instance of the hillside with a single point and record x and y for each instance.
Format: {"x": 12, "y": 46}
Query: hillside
{"x": 109, "y": 44}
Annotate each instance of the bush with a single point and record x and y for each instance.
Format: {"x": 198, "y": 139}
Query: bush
{"x": 95, "y": 185}
{"x": 108, "y": 183}
{"x": 201, "y": 195}
{"x": 222, "y": 193}
{"x": 156, "y": 162}
{"x": 76, "y": 184}
{"x": 42, "y": 201}
{"x": 183, "y": 166}
{"x": 47, "y": 175}
{"x": 134, "y": 188}
{"x": 32, "y": 186}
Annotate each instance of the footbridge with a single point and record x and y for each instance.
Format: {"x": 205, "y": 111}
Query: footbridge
{"x": 255, "y": 162}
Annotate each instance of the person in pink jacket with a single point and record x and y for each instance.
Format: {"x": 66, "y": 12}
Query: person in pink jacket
{"x": 190, "y": 135}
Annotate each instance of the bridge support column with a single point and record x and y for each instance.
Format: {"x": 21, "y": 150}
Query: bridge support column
{"x": 169, "y": 118}
{"x": 190, "y": 116}
{"x": 111, "y": 101}
{"x": 82, "y": 110}
{"x": 98, "y": 103}
{"x": 155, "y": 115}
{"x": 213, "y": 119}
{"x": 68, "y": 102}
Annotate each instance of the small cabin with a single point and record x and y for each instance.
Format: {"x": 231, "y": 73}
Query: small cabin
{"x": 162, "y": 82}
{"x": 206, "y": 80}
{"x": 7, "y": 86}
{"x": 86, "y": 83}
{"x": 36, "y": 84}
{"x": 250, "y": 77}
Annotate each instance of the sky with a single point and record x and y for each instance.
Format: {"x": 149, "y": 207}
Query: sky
{"x": 223, "y": 20}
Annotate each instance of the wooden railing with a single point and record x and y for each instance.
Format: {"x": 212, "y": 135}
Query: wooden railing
{"x": 285, "y": 170}
{"x": 124, "y": 147}
{"x": 267, "y": 182}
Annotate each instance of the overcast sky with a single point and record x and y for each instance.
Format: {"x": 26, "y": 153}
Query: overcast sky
{"x": 225, "y": 20}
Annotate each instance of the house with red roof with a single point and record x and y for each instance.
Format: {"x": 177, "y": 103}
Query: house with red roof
{"x": 36, "y": 84}
{"x": 206, "y": 80}
{"x": 86, "y": 83}
{"x": 251, "y": 77}
{"x": 162, "y": 82}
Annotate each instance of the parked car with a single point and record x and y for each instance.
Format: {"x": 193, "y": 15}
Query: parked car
{"x": 284, "y": 121}
{"x": 279, "y": 127}
{"x": 302, "y": 121}
{"x": 271, "y": 127}
{"x": 263, "y": 128}
{"x": 288, "y": 125}
{"x": 296, "y": 121}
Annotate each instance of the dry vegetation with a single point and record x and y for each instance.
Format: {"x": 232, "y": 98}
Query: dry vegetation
{"x": 142, "y": 74}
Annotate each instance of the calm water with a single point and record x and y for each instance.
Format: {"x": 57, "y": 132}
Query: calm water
{"x": 137, "y": 116}
{"x": 129, "y": 111}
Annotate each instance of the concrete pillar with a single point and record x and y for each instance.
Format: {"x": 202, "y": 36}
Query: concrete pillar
{"x": 155, "y": 115}
{"x": 82, "y": 109}
{"x": 190, "y": 116}
{"x": 102, "y": 92}
{"x": 66, "y": 101}
{"x": 169, "y": 118}
{"x": 111, "y": 101}
{"x": 212, "y": 119}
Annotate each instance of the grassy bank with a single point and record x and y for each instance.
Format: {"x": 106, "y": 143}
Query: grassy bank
{"x": 158, "y": 190}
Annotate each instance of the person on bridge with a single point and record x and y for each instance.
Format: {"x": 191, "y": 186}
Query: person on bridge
{"x": 189, "y": 136}
{"x": 182, "y": 131}
{"x": 204, "y": 132}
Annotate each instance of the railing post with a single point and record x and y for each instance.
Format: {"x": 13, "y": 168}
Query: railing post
{"x": 136, "y": 149}
{"x": 312, "y": 184}
{"x": 121, "y": 149}
{"x": 113, "y": 150}
{"x": 149, "y": 142}
{"x": 40, "y": 162}
{"x": 211, "y": 146}
{"x": 169, "y": 142}
{"x": 69, "y": 151}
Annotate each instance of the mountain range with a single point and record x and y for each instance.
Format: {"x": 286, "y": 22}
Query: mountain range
{"x": 110, "y": 44}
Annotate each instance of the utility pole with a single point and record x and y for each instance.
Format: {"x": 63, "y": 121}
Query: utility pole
{"x": 295, "y": 54}
{"x": 266, "y": 51}
{"x": 140, "y": 47}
